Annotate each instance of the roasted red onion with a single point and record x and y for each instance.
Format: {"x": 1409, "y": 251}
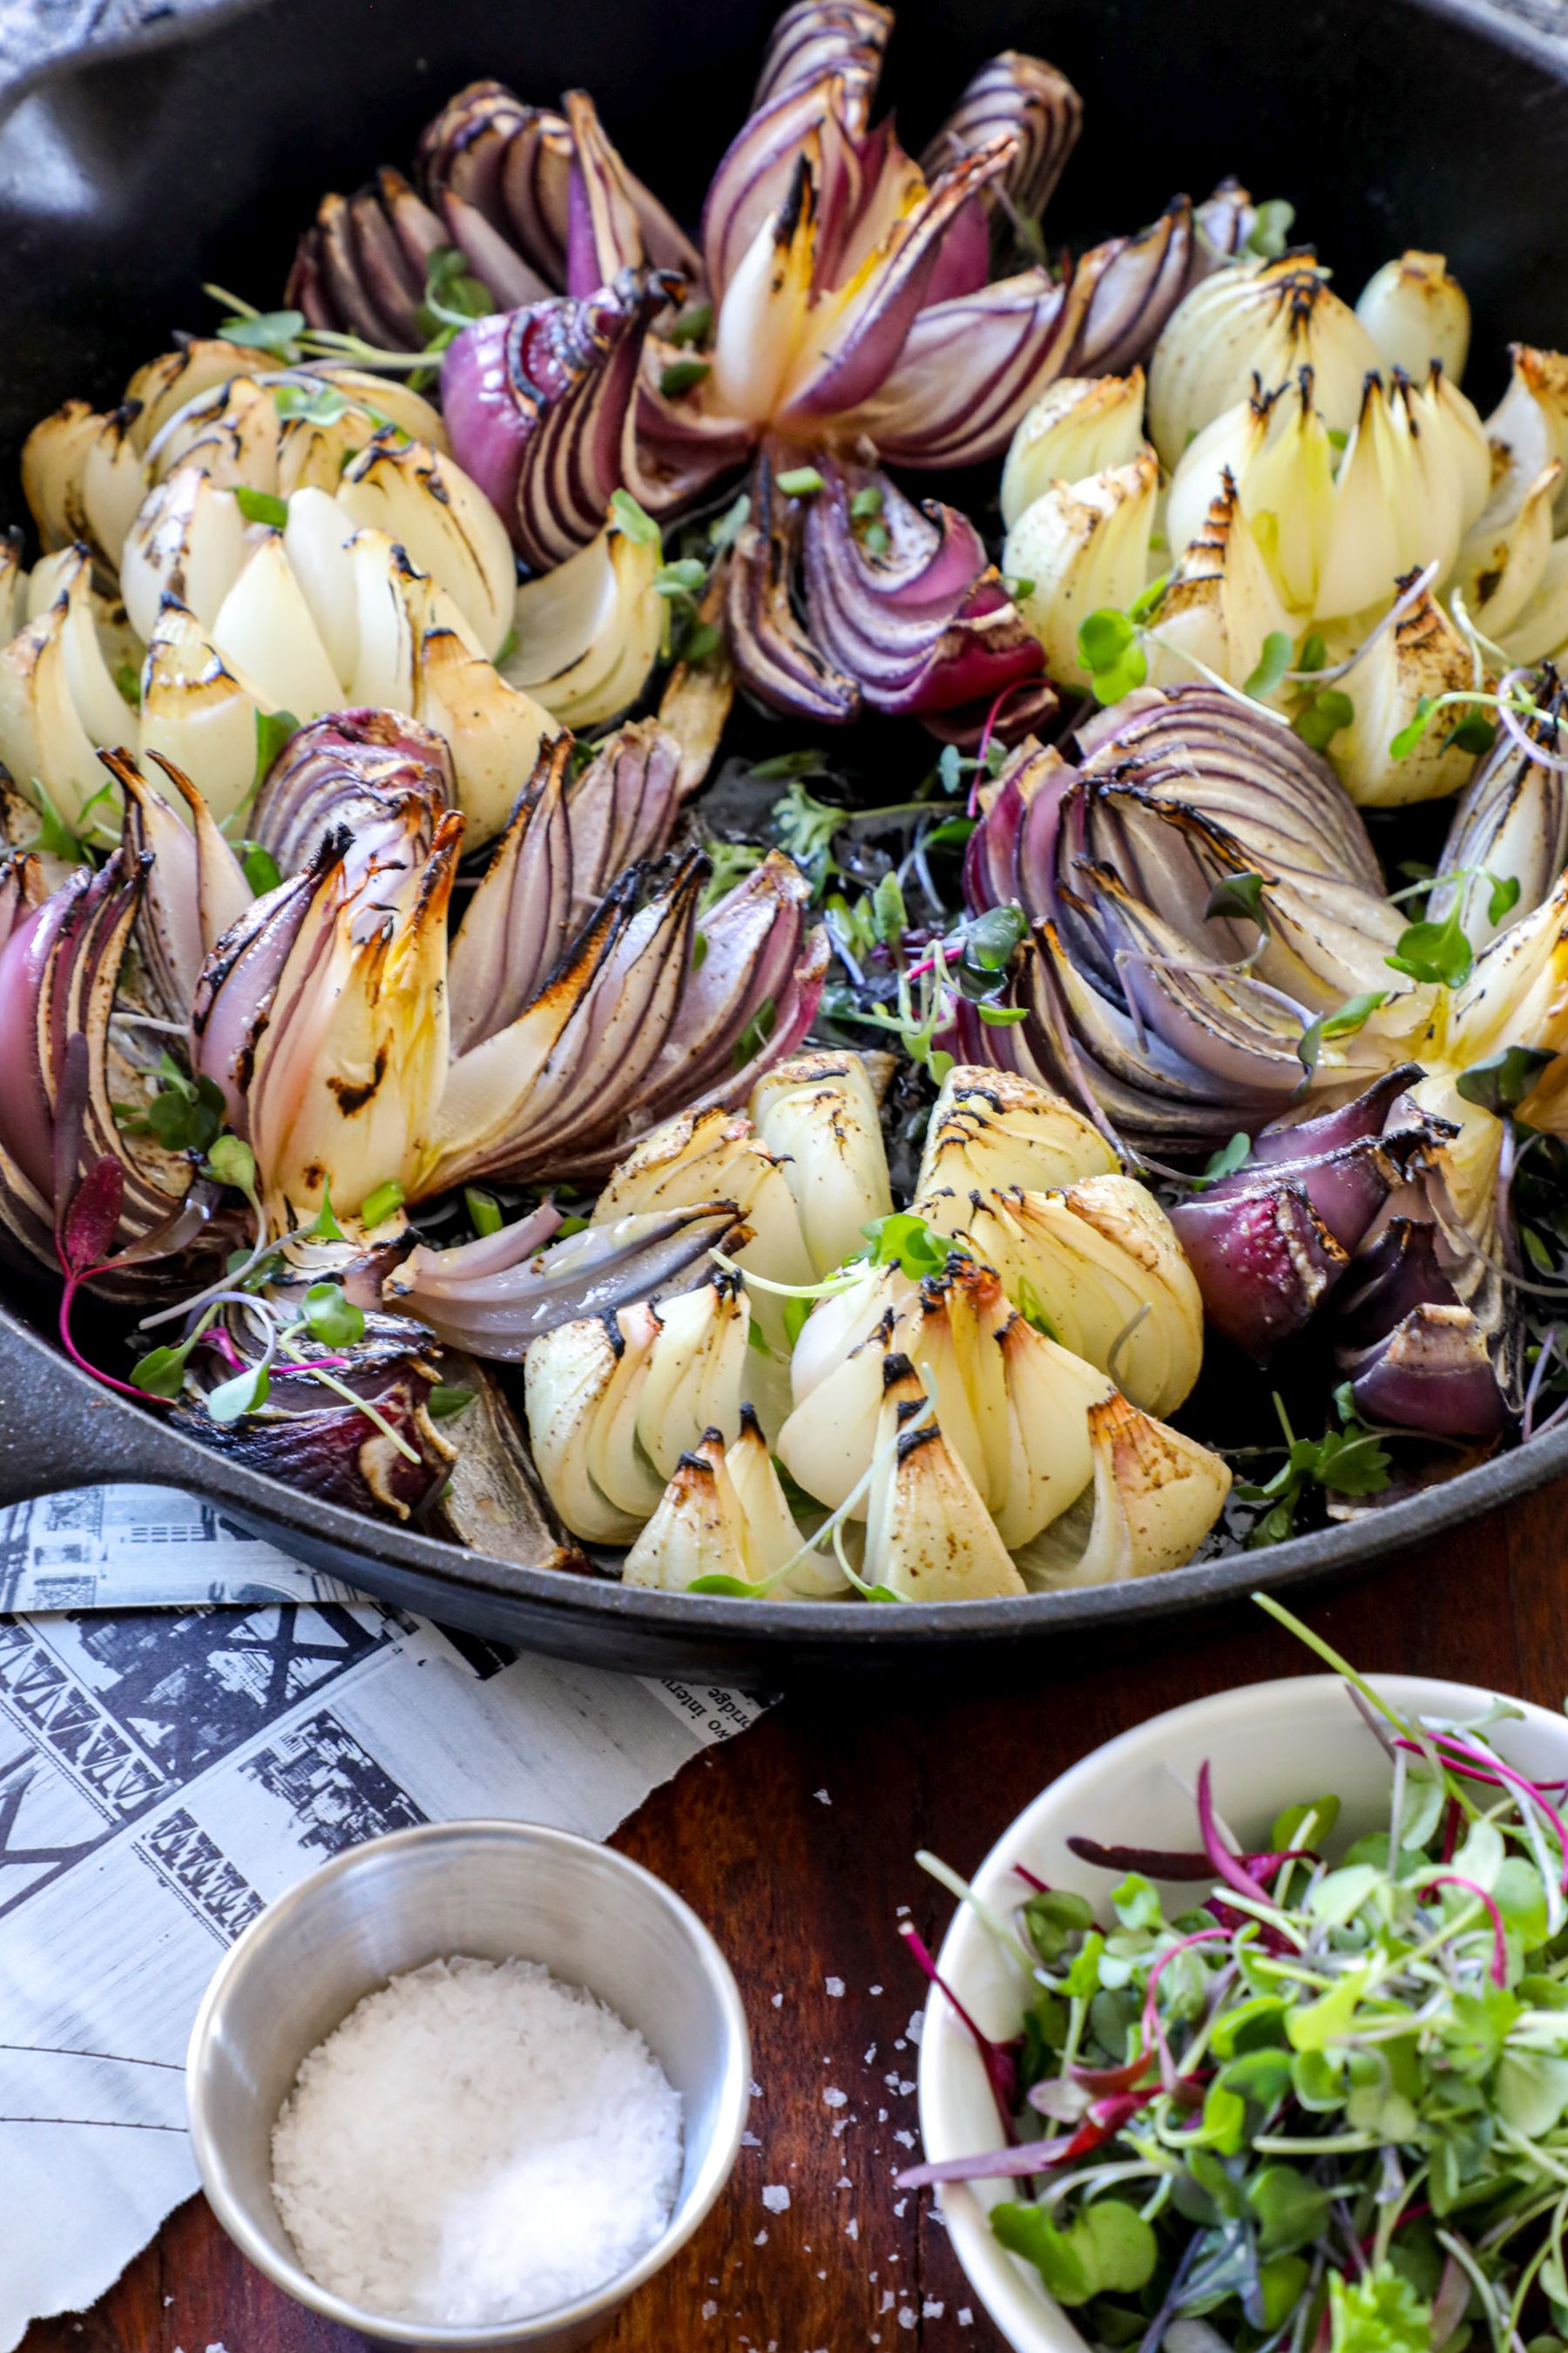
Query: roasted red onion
{"x": 338, "y": 1453}
{"x": 352, "y": 768}
{"x": 922, "y": 624}
{"x": 1025, "y": 99}
{"x": 564, "y": 847}
{"x": 536, "y": 404}
{"x": 1272, "y": 1239}
{"x": 361, "y": 264}
{"x": 1139, "y": 1005}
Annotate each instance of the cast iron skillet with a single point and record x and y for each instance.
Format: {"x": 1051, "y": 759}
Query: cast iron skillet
{"x": 128, "y": 176}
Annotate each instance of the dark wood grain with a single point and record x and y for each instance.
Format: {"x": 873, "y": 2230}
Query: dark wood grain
{"x": 801, "y": 1893}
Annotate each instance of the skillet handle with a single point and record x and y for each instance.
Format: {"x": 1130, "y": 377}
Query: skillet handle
{"x": 58, "y": 1431}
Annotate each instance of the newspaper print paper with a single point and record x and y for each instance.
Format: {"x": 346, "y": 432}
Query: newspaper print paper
{"x": 190, "y": 1724}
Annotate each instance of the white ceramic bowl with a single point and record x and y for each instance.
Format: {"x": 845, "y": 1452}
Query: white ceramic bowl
{"x": 1269, "y": 1745}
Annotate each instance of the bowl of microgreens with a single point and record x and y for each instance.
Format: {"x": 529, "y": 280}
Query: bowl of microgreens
{"x": 1252, "y": 2032}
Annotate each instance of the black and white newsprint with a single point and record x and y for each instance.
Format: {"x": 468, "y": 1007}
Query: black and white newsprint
{"x": 188, "y": 1724}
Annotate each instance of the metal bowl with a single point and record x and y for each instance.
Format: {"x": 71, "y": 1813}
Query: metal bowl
{"x": 128, "y": 177}
{"x": 495, "y": 1890}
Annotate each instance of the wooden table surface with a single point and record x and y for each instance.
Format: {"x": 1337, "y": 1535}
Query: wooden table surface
{"x": 805, "y": 1896}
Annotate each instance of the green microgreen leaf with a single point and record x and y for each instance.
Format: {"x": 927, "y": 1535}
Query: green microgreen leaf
{"x": 1321, "y": 718}
{"x": 276, "y": 332}
{"x": 694, "y": 326}
{"x": 755, "y": 1034}
{"x": 683, "y": 375}
{"x": 1225, "y": 1161}
{"x": 1501, "y": 1083}
{"x": 801, "y": 482}
{"x": 1239, "y": 895}
{"x": 259, "y": 867}
{"x": 1273, "y": 663}
{"x": 273, "y": 730}
{"x": 1109, "y": 649}
{"x": 314, "y": 404}
{"x": 229, "y": 1160}
{"x": 1439, "y": 954}
{"x": 162, "y": 1371}
{"x": 326, "y": 1228}
{"x": 245, "y": 1393}
{"x": 1343, "y": 1022}
{"x": 332, "y": 1317}
{"x": 1272, "y": 223}
{"x": 261, "y": 506}
{"x": 631, "y": 520}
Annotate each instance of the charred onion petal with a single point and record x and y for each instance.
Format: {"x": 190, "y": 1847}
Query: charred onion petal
{"x": 339, "y": 1455}
{"x": 1433, "y": 1374}
{"x": 487, "y": 159}
{"x": 536, "y": 405}
{"x": 519, "y": 920}
{"x": 494, "y": 1300}
{"x": 1133, "y": 285}
{"x": 968, "y": 370}
{"x": 354, "y": 769}
{"x": 845, "y": 38}
{"x": 772, "y": 655}
{"x": 1023, "y": 97}
{"x": 195, "y": 885}
{"x": 239, "y": 987}
{"x": 1264, "y": 1259}
{"x": 1510, "y": 823}
{"x": 924, "y": 625}
{"x": 865, "y": 324}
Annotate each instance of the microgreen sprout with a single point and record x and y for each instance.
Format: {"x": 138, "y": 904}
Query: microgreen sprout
{"x": 1320, "y": 2104}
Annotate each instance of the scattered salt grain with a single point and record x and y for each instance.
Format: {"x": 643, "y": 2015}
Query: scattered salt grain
{"x": 876, "y": 1988}
{"x": 852, "y": 2228}
{"x": 710, "y": 2310}
{"x": 906, "y": 2315}
{"x": 917, "y": 2026}
{"x": 749, "y": 2140}
{"x": 931, "y": 2309}
{"x": 965, "y": 2318}
{"x": 548, "y": 2142}
{"x": 761, "y": 2240}
{"x": 778, "y": 2001}
{"x": 905, "y": 2139}
{"x": 870, "y": 2053}
{"x": 822, "y": 1797}
{"x": 834, "y": 2098}
{"x": 835, "y": 1989}
{"x": 775, "y": 2197}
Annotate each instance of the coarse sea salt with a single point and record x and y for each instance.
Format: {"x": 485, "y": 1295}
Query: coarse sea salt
{"x": 476, "y": 2142}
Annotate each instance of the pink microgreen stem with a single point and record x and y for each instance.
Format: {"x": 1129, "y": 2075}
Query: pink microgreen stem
{"x": 1040, "y": 1886}
{"x": 1499, "y": 1935}
{"x": 1481, "y": 1765}
{"x": 1230, "y": 1867}
{"x": 998, "y": 2058}
{"x": 67, "y": 1296}
{"x": 1103, "y": 2122}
